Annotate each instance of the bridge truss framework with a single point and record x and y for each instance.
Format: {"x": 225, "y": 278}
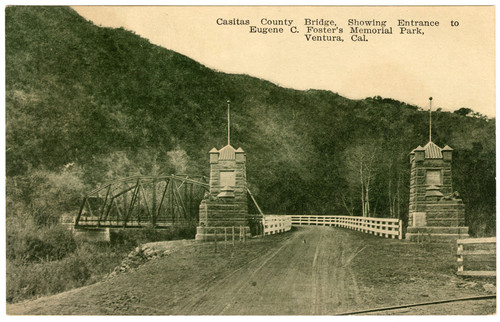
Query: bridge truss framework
{"x": 142, "y": 201}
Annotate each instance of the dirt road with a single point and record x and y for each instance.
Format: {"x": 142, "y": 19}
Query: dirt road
{"x": 311, "y": 271}
{"x": 307, "y": 274}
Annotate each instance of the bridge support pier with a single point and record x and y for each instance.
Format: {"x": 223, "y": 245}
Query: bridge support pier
{"x": 92, "y": 234}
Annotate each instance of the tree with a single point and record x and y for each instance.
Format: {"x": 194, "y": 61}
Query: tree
{"x": 361, "y": 169}
{"x": 464, "y": 111}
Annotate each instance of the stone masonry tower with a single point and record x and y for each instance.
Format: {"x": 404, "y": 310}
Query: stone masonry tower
{"x": 434, "y": 210}
{"x": 225, "y": 207}
{"x": 430, "y": 175}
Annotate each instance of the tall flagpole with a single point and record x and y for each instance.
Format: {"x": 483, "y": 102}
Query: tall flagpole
{"x": 430, "y": 119}
{"x": 228, "y": 124}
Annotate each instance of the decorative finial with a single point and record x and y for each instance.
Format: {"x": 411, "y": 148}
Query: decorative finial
{"x": 430, "y": 119}
{"x": 228, "y": 124}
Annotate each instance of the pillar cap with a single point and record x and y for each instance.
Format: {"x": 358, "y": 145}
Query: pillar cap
{"x": 227, "y": 153}
{"x": 432, "y": 151}
{"x": 418, "y": 149}
{"x": 447, "y": 148}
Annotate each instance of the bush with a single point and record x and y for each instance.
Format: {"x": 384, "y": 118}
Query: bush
{"x": 101, "y": 258}
{"x": 88, "y": 264}
{"x": 59, "y": 242}
{"x": 255, "y": 224}
{"x": 27, "y": 281}
{"x": 46, "y": 194}
{"x": 183, "y": 231}
{"x": 47, "y": 260}
{"x": 134, "y": 237}
{"x": 27, "y": 242}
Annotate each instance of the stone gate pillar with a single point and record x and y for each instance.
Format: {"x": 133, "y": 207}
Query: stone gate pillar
{"x": 434, "y": 210}
{"x": 225, "y": 207}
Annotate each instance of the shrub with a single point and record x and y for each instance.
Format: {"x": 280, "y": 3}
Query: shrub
{"x": 27, "y": 242}
{"x": 59, "y": 242}
{"x": 27, "y": 281}
{"x": 255, "y": 224}
{"x": 44, "y": 195}
{"x": 185, "y": 230}
{"x": 47, "y": 260}
{"x": 134, "y": 237}
{"x": 88, "y": 264}
{"x": 100, "y": 258}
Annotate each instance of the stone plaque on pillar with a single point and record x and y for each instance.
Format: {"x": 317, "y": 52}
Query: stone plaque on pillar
{"x": 418, "y": 219}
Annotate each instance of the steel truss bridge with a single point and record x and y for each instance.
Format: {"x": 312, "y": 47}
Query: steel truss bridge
{"x": 143, "y": 201}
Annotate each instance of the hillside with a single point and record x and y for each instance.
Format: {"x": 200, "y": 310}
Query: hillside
{"x": 86, "y": 104}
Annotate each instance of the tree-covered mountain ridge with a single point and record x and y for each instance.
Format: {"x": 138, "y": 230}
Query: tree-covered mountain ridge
{"x": 86, "y": 104}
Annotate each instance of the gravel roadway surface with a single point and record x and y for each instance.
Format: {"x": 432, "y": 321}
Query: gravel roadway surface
{"x": 309, "y": 271}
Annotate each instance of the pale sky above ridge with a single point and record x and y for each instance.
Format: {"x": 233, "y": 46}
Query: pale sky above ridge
{"x": 453, "y": 64}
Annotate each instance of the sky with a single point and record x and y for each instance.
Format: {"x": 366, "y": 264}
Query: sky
{"x": 453, "y": 64}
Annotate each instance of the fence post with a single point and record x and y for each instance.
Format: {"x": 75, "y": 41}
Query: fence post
{"x": 232, "y": 234}
{"x": 460, "y": 257}
{"x": 215, "y": 240}
{"x": 400, "y": 230}
{"x": 225, "y": 237}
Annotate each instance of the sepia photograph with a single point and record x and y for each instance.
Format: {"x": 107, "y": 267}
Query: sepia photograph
{"x": 249, "y": 160}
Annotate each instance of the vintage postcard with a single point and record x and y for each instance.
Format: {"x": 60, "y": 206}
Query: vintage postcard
{"x": 250, "y": 160}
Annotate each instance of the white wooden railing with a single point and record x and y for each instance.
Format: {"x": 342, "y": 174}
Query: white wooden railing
{"x": 273, "y": 224}
{"x": 488, "y": 252}
{"x": 385, "y": 227}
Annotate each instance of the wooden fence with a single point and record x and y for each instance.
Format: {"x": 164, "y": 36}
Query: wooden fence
{"x": 276, "y": 224}
{"x": 476, "y": 250}
{"x": 385, "y": 227}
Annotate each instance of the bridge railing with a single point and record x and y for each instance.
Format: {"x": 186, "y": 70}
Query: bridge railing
{"x": 385, "y": 227}
{"x": 480, "y": 253}
{"x": 273, "y": 224}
